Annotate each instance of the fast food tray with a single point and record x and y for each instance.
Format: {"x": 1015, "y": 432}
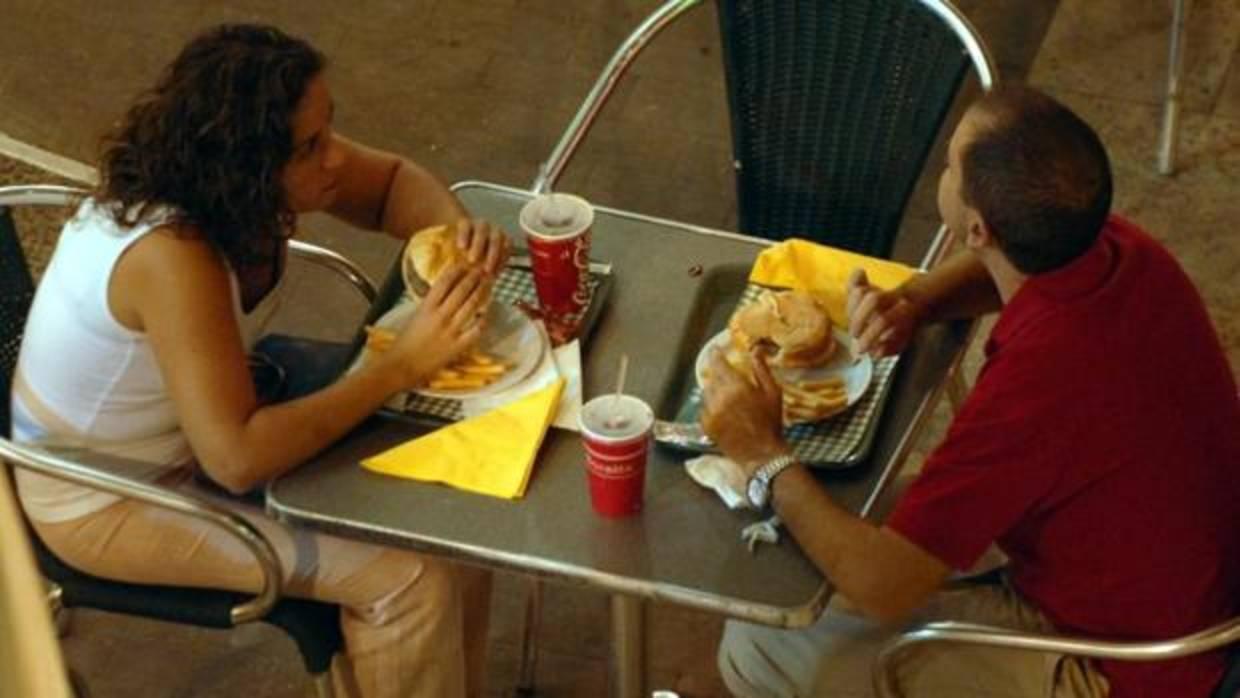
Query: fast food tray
{"x": 840, "y": 442}
{"x": 515, "y": 284}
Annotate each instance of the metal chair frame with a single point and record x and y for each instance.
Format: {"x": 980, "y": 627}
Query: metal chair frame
{"x": 1211, "y": 638}
{"x": 550, "y": 171}
{"x": 107, "y": 473}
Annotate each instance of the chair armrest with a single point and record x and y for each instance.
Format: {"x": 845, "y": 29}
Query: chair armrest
{"x": 106, "y": 472}
{"x": 973, "y": 634}
{"x": 336, "y": 262}
{"x": 550, "y": 171}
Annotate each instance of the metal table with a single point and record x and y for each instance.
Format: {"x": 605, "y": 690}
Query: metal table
{"x": 684, "y": 547}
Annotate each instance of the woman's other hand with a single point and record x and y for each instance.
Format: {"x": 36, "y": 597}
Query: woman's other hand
{"x": 448, "y": 322}
{"x": 485, "y": 245}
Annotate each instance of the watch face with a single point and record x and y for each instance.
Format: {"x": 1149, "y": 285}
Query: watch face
{"x": 757, "y": 492}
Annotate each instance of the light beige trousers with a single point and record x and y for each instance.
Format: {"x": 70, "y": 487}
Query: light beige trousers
{"x": 414, "y": 625}
{"x": 833, "y": 657}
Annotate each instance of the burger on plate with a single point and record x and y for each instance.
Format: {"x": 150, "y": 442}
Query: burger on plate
{"x": 429, "y": 252}
{"x": 794, "y": 333}
{"x": 791, "y": 326}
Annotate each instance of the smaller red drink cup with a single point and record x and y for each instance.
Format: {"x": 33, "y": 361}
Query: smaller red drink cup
{"x": 557, "y": 232}
{"x": 616, "y": 432}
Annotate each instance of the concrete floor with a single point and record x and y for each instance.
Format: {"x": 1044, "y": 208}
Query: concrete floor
{"x": 480, "y": 89}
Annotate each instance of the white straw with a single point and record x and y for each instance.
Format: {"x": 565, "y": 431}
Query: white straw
{"x": 624, "y": 368}
{"x": 618, "y": 420}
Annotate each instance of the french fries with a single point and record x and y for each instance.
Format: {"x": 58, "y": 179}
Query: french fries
{"x": 475, "y": 369}
{"x": 812, "y": 401}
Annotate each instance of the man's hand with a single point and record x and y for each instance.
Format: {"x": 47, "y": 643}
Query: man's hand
{"x": 485, "y": 245}
{"x": 745, "y": 418}
{"x": 882, "y": 322}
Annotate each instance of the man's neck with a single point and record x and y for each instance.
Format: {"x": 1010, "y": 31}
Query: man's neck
{"x": 1008, "y": 279}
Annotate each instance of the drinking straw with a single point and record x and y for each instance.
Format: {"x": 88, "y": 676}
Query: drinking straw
{"x": 617, "y": 420}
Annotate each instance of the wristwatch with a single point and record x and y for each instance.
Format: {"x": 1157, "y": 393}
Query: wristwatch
{"x": 759, "y": 488}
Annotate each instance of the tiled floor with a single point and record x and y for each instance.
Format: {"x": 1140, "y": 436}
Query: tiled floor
{"x": 479, "y": 89}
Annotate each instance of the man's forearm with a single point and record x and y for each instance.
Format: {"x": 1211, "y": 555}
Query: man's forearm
{"x": 881, "y": 573}
{"x": 959, "y": 287}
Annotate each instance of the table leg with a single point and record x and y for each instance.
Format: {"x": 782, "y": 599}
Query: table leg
{"x": 628, "y": 646}
{"x": 1171, "y": 106}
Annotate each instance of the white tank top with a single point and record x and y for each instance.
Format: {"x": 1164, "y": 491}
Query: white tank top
{"x": 84, "y": 379}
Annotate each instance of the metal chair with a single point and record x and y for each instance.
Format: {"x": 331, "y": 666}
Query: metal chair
{"x": 314, "y": 626}
{"x": 1211, "y": 638}
{"x": 834, "y": 106}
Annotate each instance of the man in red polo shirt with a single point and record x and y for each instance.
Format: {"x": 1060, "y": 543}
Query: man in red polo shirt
{"x": 1099, "y": 449}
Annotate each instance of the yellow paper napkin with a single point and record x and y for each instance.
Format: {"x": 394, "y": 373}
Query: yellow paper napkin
{"x": 492, "y": 453}
{"x": 823, "y": 271}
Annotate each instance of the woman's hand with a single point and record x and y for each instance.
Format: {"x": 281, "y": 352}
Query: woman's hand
{"x": 447, "y": 322}
{"x": 883, "y": 322}
{"x": 745, "y": 418}
{"x": 485, "y": 245}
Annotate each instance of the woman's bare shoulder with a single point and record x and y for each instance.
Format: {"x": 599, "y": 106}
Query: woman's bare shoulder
{"x": 173, "y": 264}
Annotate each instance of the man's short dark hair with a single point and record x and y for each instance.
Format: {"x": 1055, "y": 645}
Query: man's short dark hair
{"x": 1039, "y": 177}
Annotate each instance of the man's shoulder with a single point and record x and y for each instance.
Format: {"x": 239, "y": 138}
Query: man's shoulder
{"x": 1137, "y": 242}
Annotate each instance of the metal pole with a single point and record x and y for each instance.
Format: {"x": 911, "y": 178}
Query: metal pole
{"x": 628, "y": 646}
{"x": 1171, "y": 106}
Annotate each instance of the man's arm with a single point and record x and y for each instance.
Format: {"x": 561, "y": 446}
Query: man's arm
{"x": 959, "y": 287}
{"x": 883, "y": 574}
{"x": 884, "y": 321}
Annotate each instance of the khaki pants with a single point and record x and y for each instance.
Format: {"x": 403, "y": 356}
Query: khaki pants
{"x": 413, "y": 625}
{"x": 833, "y": 657}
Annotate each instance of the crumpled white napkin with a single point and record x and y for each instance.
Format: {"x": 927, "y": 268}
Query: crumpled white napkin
{"x": 726, "y": 478}
{"x": 721, "y": 475}
{"x": 564, "y": 360}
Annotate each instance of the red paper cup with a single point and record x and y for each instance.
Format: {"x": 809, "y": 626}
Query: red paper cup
{"x": 557, "y": 232}
{"x": 616, "y": 433}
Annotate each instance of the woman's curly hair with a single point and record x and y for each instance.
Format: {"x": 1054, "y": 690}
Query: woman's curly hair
{"x": 212, "y": 137}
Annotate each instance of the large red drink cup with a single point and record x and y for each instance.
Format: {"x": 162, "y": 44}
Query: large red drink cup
{"x": 616, "y": 433}
{"x": 557, "y": 232}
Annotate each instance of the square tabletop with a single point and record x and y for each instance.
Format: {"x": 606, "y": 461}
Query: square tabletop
{"x": 673, "y": 288}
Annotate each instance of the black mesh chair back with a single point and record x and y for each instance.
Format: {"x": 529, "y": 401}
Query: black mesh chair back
{"x": 835, "y": 105}
{"x": 313, "y": 626}
{"x": 16, "y": 292}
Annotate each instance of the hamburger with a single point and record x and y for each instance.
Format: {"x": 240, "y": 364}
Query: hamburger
{"x": 794, "y": 332}
{"x": 428, "y": 253}
{"x": 793, "y": 329}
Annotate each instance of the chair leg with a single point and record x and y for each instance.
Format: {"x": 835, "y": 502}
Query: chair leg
{"x": 323, "y": 685}
{"x": 1171, "y": 105}
{"x": 529, "y": 641}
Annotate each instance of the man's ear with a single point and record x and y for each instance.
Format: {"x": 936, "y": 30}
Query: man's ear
{"x": 977, "y": 233}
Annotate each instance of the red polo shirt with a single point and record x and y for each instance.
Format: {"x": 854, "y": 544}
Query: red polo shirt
{"x": 1100, "y": 448}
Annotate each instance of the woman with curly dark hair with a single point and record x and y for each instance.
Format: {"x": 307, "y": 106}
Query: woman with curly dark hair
{"x": 156, "y": 282}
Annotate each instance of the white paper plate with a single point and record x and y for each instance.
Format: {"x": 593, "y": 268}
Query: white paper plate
{"x": 856, "y": 374}
{"x": 510, "y": 336}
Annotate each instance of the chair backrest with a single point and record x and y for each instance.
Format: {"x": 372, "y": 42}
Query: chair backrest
{"x": 16, "y": 293}
{"x": 835, "y": 105}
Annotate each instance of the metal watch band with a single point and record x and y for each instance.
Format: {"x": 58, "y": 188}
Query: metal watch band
{"x": 758, "y": 490}
{"x": 768, "y": 470}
